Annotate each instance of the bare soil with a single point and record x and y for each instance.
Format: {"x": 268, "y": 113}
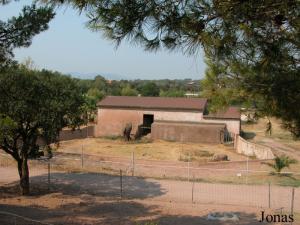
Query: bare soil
{"x": 85, "y": 198}
{"x": 148, "y": 150}
{"x": 280, "y": 139}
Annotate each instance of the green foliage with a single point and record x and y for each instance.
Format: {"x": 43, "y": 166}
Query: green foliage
{"x": 223, "y": 91}
{"x": 281, "y": 162}
{"x": 43, "y": 102}
{"x": 99, "y": 83}
{"x": 149, "y": 89}
{"x": 18, "y": 31}
{"x": 172, "y": 93}
{"x": 128, "y": 91}
{"x": 95, "y": 93}
{"x": 7, "y": 127}
{"x": 35, "y": 105}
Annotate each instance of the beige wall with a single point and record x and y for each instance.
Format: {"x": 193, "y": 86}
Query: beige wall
{"x": 188, "y": 132}
{"x": 113, "y": 121}
{"x": 252, "y": 149}
{"x": 233, "y": 126}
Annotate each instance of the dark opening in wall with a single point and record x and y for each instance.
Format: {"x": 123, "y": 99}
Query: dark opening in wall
{"x": 147, "y": 121}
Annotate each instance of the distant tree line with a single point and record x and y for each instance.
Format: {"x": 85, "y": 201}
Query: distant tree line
{"x": 99, "y": 87}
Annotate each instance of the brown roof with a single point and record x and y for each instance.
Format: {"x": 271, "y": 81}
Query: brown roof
{"x": 194, "y": 104}
{"x": 229, "y": 113}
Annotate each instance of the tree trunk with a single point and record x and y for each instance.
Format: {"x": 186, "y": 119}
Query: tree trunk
{"x": 24, "y": 176}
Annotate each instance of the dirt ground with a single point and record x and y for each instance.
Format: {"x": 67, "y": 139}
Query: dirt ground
{"x": 169, "y": 160}
{"x": 148, "y": 150}
{"x": 86, "y": 198}
{"x": 280, "y": 140}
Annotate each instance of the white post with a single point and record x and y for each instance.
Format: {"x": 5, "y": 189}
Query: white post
{"x": 132, "y": 162}
{"x": 189, "y": 166}
{"x": 82, "y": 157}
{"x": 292, "y": 202}
{"x": 193, "y": 189}
{"x": 247, "y": 166}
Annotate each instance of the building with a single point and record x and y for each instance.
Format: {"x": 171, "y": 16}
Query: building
{"x": 177, "y": 119}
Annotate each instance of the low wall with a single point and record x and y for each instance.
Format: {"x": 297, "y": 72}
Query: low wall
{"x": 252, "y": 149}
{"x": 188, "y": 131}
{"x": 68, "y": 134}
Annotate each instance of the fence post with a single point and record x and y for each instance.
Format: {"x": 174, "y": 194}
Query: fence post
{"x": 269, "y": 195}
{"x": 48, "y": 174}
{"x": 132, "y": 162}
{"x": 247, "y": 166}
{"x": 121, "y": 184}
{"x": 189, "y": 169}
{"x": 193, "y": 189}
{"x": 292, "y": 202}
{"x": 82, "y": 157}
{"x": 235, "y": 141}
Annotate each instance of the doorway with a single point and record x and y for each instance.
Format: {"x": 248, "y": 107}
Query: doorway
{"x": 147, "y": 121}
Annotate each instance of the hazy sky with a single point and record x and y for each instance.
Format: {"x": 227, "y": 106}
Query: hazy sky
{"x": 69, "y": 47}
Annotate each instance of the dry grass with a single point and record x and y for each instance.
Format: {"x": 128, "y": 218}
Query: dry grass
{"x": 278, "y": 133}
{"x": 157, "y": 150}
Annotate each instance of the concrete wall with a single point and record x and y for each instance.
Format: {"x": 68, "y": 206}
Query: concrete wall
{"x": 232, "y": 125}
{"x": 252, "y": 149}
{"x": 187, "y": 132}
{"x": 113, "y": 121}
{"x": 68, "y": 134}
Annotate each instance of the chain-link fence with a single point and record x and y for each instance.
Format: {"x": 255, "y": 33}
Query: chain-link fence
{"x": 130, "y": 178}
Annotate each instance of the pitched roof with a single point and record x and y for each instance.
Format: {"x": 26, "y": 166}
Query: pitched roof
{"x": 230, "y": 113}
{"x": 166, "y": 103}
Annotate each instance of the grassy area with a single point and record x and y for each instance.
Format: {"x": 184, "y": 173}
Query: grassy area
{"x": 157, "y": 150}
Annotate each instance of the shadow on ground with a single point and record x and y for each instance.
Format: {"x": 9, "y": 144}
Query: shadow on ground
{"x": 248, "y": 135}
{"x": 112, "y": 213}
{"x": 95, "y": 184}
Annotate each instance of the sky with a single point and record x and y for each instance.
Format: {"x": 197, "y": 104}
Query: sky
{"x": 68, "y": 46}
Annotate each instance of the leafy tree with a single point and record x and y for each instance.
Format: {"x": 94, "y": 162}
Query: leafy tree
{"x": 100, "y": 83}
{"x": 256, "y": 41}
{"x": 223, "y": 91}
{"x": 128, "y": 91}
{"x": 18, "y": 31}
{"x": 149, "y": 89}
{"x": 95, "y": 93}
{"x": 281, "y": 162}
{"x": 113, "y": 88}
{"x": 92, "y": 97}
{"x": 35, "y": 105}
{"x": 172, "y": 93}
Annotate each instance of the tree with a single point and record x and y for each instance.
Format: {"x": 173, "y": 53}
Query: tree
{"x": 281, "y": 162}
{"x": 172, "y": 93}
{"x": 223, "y": 91}
{"x": 95, "y": 93}
{"x": 256, "y": 41}
{"x": 149, "y": 89}
{"x": 128, "y": 91}
{"x": 18, "y": 31}
{"x": 35, "y": 105}
{"x": 100, "y": 83}
{"x": 92, "y": 97}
